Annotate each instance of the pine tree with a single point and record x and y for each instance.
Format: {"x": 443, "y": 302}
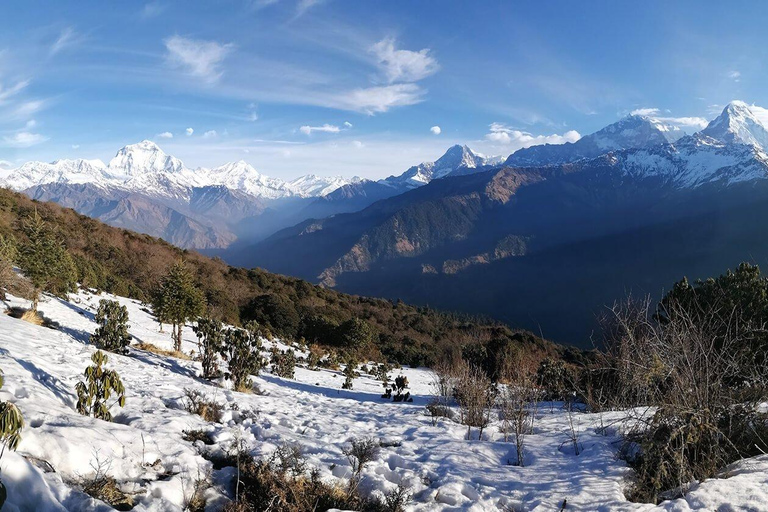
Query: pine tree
{"x": 8, "y": 255}
{"x": 210, "y": 341}
{"x": 178, "y": 300}
{"x": 45, "y": 261}
{"x": 101, "y": 385}
{"x": 349, "y": 373}
{"x": 242, "y": 350}
{"x": 112, "y": 333}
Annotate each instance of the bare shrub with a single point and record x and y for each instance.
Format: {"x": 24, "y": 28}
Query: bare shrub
{"x": 197, "y": 403}
{"x": 102, "y": 486}
{"x": 516, "y": 400}
{"x": 359, "y": 453}
{"x": 695, "y": 364}
{"x": 475, "y": 395}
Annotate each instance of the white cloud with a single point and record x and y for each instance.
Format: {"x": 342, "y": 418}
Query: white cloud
{"x": 23, "y": 140}
{"x": 347, "y": 124}
{"x": 374, "y": 100}
{"x": 75, "y": 146}
{"x": 645, "y": 112}
{"x": 189, "y": 131}
{"x": 210, "y": 134}
{"x": 436, "y": 130}
{"x": 734, "y": 75}
{"x": 687, "y": 124}
{"x": 30, "y": 124}
{"x": 199, "y": 58}
{"x": 152, "y": 9}
{"x": 503, "y": 135}
{"x": 68, "y": 37}
{"x": 5, "y": 164}
{"x": 304, "y": 5}
{"x": 28, "y": 108}
{"x": 165, "y": 135}
{"x": 761, "y": 113}
{"x": 327, "y": 128}
{"x": 403, "y": 65}
{"x": 8, "y": 93}
{"x": 358, "y": 144}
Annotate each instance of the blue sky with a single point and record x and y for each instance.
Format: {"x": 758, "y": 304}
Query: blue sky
{"x": 337, "y": 87}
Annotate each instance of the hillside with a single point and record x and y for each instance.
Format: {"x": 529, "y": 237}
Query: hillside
{"x": 131, "y": 264}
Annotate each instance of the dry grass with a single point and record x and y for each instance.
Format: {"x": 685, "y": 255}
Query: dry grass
{"x": 197, "y": 403}
{"x": 161, "y": 351}
{"x": 32, "y": 317}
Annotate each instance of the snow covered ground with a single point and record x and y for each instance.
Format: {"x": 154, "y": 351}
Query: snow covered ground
{"x": 144, "y": 451}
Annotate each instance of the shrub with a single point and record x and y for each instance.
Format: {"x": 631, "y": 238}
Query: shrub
{"x": 8, "y": 255}
{"x": 92, "y": 398}
{"x": 275, "y": 311}
{"x": 475, "y": 395}
{"x": 360, "y": 452}
{"x": 283, "y": 363}
{"x": 355, "y": 333}
{"x": 242, "y": 351}
{"x": 112, "y": 333}
{"x": 197, "y": 403}
{"x": 349, "y": 373}
{"x": 11, "y": 424}
{"x": 210, "y": 341}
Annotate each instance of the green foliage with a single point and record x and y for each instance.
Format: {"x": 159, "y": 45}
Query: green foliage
{"x": 100, "y": 385}
{"x": 8, "y": 255}
{"x": 44, "y": 259}
{"x": 178, "y": 300}
{"x": 283, "y": 363}
{"x": 112, "y": 333}
{"x": 242, "y": 351}
{"x": 210, "y": 342}
{"x": 274, "y": 311}
{"x": 11, "y": 422}
{"x": 356, "y": 333}
{"x": 349, "y": 372}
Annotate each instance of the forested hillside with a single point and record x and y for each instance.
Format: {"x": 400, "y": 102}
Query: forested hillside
{"x": 131, "y": 264}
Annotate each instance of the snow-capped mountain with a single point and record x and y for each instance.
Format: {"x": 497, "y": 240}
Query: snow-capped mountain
{"x": 145, "y": 168}
{"x": 633, "y": 131}
{"x": 737, "y": 124}
{"x": 456, "y": 158}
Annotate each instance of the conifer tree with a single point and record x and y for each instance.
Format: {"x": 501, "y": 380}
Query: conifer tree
{"x": 8, "y": 255}
{"x": 178, "y": 300}
{"x": 349, "y": 373}
{"x": 112, "y": 333}
{"x": 101, "y": 385}
{"x": 45, "y": 261}
{"x": 210, "y": 341}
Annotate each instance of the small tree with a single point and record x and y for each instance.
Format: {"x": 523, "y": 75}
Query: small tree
{"x": 44, "y": 259}
{"x": 242, "y": 351}
{"x": 359, "y": 453}
{"x": 11, "y": 424}
{"x": 515, "y": 399}
{"x": 475, "y": 394}
{"x": 112, "y": 333}
{"x": 283, "y": 363}
{"x": 178, "y": 300}
{"x": 210, "y": 342}
{"x": 100, "y": 385}
{"x": 8, "y": 255}
{"x": 356, "y": 333}
{"x": 349, "y": 373}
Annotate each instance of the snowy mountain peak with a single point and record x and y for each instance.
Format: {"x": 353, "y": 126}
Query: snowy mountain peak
{"x": 143, "y": 158}
{"x": 459, "y": 156}
{"x": 738, "y": 124}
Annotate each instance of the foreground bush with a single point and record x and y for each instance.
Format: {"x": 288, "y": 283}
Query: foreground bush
{"x": 698, "y": 361}
{"x": 11, "y": 424}
{"x": 112, "y": 333}
{"x": 101, "y": 384}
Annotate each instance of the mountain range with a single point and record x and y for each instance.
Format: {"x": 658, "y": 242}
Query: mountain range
{"x": 542, "y": 239}
{"x": 548, "y": 238}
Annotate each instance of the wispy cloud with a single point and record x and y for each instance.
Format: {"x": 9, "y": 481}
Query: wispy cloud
{"x": 503, "y": 135}
{"x": 304, "y": 5}
{"x": 403, "y": 65}
{"x": 210, "y": 134}
{"x": 23, "y": 140}
{"x": 199, "y": 58}
{"x": 68, "y": 37}
{"x": 734, "y": 75}
{"x": 326, "y": 128}
{"x": 374, "y": 100}
{"x": 687, "y": 124}
{"x": 6, "y": 93}
{"x": 152, "y": 10}
{"x": 165, "y": 135}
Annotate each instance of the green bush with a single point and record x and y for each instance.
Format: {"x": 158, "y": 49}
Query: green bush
{"x": 242, "y": 351}
{"x": 100, "y": 385}
{"x": 210, "y": 342}
{"x": 112, "y": 333}
{"x": 283, "y": 363}
{"x": 178, "y": 300}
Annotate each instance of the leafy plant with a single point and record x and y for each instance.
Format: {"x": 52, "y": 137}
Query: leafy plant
{"x": 283, "y": 363}
{"x": 210, "y": 341}
{"x": 11, "y": 424}
{"x": 100, "y": 385}
{"x": 242, "y": 350}
{"x": 112, "y": 333}
{"x": 178, "y": 300}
